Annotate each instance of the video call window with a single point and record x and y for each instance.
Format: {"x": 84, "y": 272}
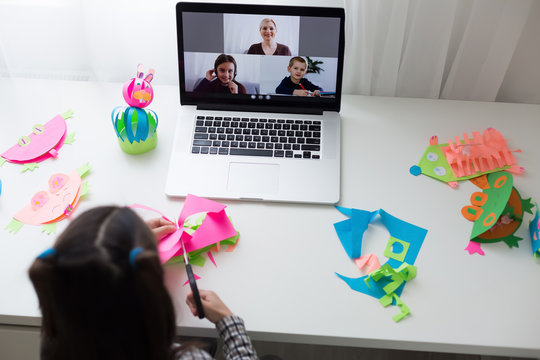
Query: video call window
{"x": 260, "y": 54}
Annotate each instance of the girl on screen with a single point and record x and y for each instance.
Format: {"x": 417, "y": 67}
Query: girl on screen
{"x": 268, "y": 45}
{"x": 221, "y": 79}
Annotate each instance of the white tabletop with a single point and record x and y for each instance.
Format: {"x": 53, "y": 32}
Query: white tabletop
{"x": 281, "y": 278}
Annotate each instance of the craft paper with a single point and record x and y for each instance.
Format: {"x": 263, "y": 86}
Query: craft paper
{"x": 47, "y": 207}
{"x": 467, "y": 158}
{"x": 534, "y": 229}
{"x": 370, "y": 262}
{"x": 497, "y": 211}
{"x": 44, "y": 142}
{"x": 209, "y": 231}
{"x": 409, "y": 236}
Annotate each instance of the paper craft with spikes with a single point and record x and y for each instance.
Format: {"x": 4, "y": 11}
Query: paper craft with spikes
{"x": 48, "y": 207}
{"x": 497, "y": 211}
{"x": 43, "y": 143}
{"x": 468, "y": 158}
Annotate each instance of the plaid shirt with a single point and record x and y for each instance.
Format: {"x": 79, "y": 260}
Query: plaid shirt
{"x": 236, "y": 342}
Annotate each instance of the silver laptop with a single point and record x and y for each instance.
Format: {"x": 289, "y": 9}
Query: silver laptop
{"x": 260, "y": 88}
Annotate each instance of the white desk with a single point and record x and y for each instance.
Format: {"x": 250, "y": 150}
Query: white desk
{"x": 280, "y": 278}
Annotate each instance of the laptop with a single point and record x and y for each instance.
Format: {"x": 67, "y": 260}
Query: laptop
{"x": 260, "y": 89}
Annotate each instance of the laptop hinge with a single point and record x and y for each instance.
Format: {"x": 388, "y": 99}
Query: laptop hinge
{"x": 261, "y": 108}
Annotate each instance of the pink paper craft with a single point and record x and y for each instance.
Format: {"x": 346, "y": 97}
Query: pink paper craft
{"x": 42, "y": 145}
{"x": 474, "y": 247}
{"x": 52, "y": 205}
{"x": 196, "y": 278}
{"x": 370, "y": 261}
{"x": 482, "y": 153}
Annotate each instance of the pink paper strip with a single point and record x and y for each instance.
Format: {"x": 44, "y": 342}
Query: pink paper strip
{"x": 196, "y": 278}
{"x": 211, "y": 257}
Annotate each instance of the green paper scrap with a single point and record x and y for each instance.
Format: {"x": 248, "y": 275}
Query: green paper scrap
{"x": 2, "y": 161}
{"x": 398, "y": 276}
{"x": 389, "y": 252}
{"x": 197, "y": 260}
{"x": 84, "y": 170}
{"x": 29, "y": 166}
{"x": 70, "y": 139}
{"x": 85, "y": 188}
{"x": 14, "y": 226}
{"x": 68, "y": 114}
{"x": 49, "y": 228}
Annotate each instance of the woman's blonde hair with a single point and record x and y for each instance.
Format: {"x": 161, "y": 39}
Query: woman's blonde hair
{"x": 265, "y": 20}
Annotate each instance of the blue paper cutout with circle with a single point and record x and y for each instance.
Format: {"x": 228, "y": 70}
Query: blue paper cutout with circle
{"x": 351, "y": 232}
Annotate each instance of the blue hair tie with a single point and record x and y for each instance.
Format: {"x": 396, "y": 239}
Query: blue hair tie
{"x": 133, "y": 254}
{"x": 49, "y": 251}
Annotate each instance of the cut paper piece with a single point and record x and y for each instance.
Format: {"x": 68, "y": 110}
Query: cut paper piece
{"x": 213, "y": 228}
{"x": 351, "y": 232}
{"x": 50, "y": 206}
{"x": 197, "y": 277}
{"x": 211, "y": 257}
{"x": 468, "y": 158}
{"x": 534, "y": 230}
{"x": 42, "y": 143}
{"x": 370, "y": 262}
{"x": 396, "y": 249}
{"x": 497, "y": 212}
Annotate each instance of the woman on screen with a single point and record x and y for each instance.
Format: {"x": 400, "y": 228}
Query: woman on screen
{"x": 268, "y": 45}
{"x": 220, "y": 79}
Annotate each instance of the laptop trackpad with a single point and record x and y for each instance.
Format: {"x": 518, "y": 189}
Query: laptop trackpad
{"x": 253, "y": 178}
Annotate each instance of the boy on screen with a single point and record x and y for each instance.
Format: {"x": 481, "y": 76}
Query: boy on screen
{"x": 296, "y": 84}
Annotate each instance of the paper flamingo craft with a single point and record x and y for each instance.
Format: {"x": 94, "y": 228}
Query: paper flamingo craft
{"x": 43, "y": 143}
{"x": 50, "y": 206}
{"x": 209, "y": 233}
{"x": 497, "y": 211}
{"x": 136, "y": 127}
{"x": 387, "y": 281}
{"x": 467, "y": 158}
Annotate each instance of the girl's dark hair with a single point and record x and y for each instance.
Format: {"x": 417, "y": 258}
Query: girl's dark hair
{"x": 95, "y": 304}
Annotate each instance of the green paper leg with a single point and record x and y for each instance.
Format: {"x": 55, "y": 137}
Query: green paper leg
{"x": 14, "y": 226}
{"x": 2, "y": 161}
{"x": 70, "y": 139}
{"x": 85, "y": 187}
{"x": 49, "y": 228}
{"x": 68, "y": 114}
{"x": 512, "y": 241}
{"x": 404, "y": 309}
{"x": 29, "y": 166}
{"x": 83, "y": 170}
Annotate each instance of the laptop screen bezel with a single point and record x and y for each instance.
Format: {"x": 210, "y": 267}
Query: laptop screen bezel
{"x": 260, "y": 102}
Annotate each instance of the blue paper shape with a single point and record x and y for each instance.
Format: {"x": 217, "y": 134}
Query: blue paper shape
{"x": 534, "y": 230}
{"x": 351, "y": 231}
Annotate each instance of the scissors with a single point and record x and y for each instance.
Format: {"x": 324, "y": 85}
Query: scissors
{"x": 192, "y": 283}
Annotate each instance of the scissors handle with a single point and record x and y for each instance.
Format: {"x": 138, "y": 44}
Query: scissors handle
{"x": 195, "y": 291}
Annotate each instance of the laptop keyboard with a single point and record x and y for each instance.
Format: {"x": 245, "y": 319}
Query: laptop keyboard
{"x": 281, "y": 138}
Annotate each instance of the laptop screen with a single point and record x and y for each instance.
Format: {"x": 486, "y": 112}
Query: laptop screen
{"x": 269, "y": 58}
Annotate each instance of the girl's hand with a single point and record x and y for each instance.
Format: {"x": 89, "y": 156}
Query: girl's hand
{"x": 214, "y": 308}
{"x": 233, "y": 87}
{"x": 210, "y": 75}
{"x": 161, "y": 227}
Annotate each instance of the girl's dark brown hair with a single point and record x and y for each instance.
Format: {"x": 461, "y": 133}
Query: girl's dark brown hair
{"x": 95, "y": 304}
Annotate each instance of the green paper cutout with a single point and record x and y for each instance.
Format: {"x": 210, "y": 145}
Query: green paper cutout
{"x": 198, "y": 260}
{"x": 68, "y": 114}
{"x": 70, "y": 138}
{"x": 14, "y": 226}
{"x": 29, "y": 166}
{"x": 85, "y": 188}
{"x": 389, "y": 252}
{"x": 512, "y": 241}
{"x": 84, "y": 170}
{"x": 404, "y": 309}
{"x": 138, "y": 147}
{"x": 2, "y": 161}
{"x": 494, "y": 206}
{"x": 49, "y": 228}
